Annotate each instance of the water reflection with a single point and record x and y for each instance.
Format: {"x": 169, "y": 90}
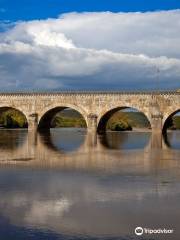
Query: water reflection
{"x": 172, "y": 139}
{"x": 90, "y": 191}
{"x": 12, "y": 139}
{"x": 64, "y": 139}
{"x": 76, "y": 203}
{"x": 126, "y": 140}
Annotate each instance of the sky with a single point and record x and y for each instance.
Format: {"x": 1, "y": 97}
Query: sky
{"x": 54, "y": 45}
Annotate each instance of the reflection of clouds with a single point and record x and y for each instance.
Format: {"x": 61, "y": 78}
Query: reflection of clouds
{"x": 129, "y": 191}
{"x": 40, "y": 211}
{"x": 73, "y": 202}
{"x": 18, "y": 200}
{"x": 30, "y": 210}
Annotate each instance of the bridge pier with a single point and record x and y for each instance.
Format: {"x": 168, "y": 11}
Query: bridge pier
{"x": 156, "y": 140}
{"x": 156, "y": 136}
{"x": 32, "y": 133}
{"x": 33, "y": 122}
{"x": 92, "y": 123}
{"x": 91, "y": 139}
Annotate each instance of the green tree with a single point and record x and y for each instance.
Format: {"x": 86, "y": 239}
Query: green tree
{"x": 12, "y": 119}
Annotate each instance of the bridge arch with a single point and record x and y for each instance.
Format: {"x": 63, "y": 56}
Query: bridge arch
{"x": 108, "y": 113}
{"x": 45, "y": 118}
{"x": 167, "y": 117}
{"x": 18, "y": 110}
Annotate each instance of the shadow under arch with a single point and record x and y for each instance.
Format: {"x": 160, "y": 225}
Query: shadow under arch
{"x": 102, "y": 124}
{"x": 168, "y": 136}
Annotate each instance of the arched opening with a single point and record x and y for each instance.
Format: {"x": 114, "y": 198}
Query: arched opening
{"x": 171, "y": 130}
{"x": 11, "y": 120}
{"x": 123, "y": 119}
{"x": 62, "y": 117}
{"x": 134, "y": 125}
{"x": 63, "y": 128}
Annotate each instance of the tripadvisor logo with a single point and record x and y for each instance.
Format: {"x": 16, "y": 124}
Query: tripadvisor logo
{"x": 140, "y": 231}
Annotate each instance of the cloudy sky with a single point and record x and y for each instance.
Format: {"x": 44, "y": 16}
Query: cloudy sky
{"x": 89, "y": 47}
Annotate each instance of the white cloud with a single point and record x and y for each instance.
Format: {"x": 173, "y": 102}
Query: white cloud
{"x": 92, "y": 51}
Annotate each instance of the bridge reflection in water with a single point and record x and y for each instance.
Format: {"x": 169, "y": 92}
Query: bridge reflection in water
{"x": 82, "y": 149}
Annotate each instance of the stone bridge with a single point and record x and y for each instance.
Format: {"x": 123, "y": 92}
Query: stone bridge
{"x": 95, "y": 107}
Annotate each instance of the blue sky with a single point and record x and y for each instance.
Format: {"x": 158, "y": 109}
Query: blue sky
{"x": 89, "y": 45}
{"x": 14, "y": 10}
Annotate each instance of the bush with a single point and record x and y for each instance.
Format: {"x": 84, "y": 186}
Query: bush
{"x": 121, "y": 126}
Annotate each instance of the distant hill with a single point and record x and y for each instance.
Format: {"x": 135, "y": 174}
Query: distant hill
{"x": 69, "y": 113}
{"x": 68, "y": 118}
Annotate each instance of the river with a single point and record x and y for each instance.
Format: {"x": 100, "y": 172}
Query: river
{"x": 66, "y": 184}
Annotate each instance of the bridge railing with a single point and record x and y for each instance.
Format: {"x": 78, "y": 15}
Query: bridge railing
{"x": 45, "y": 93}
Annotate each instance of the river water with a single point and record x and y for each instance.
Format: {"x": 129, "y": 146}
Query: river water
{"x": 67, "y": 184}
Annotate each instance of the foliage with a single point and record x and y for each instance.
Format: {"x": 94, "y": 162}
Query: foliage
{"x": 120, "y": 126}
{"x": 176, "y": 122}
{"x": 68, "y": 118}
{"x": 12, "y": 119}
{"x": 173, "y": 123}
{"x": 120, "y": 121}
{"x": 128, "y": 120}
{"x": 59, "y": 121}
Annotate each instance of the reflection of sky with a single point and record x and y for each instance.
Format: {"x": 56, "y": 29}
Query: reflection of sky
{"x": 174, "y": 139}
{"x": 177, "y": 114}
{"x": 93, "y": 204}
{"x": 127, "y": 140}
{"x": 67, "y": 139}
